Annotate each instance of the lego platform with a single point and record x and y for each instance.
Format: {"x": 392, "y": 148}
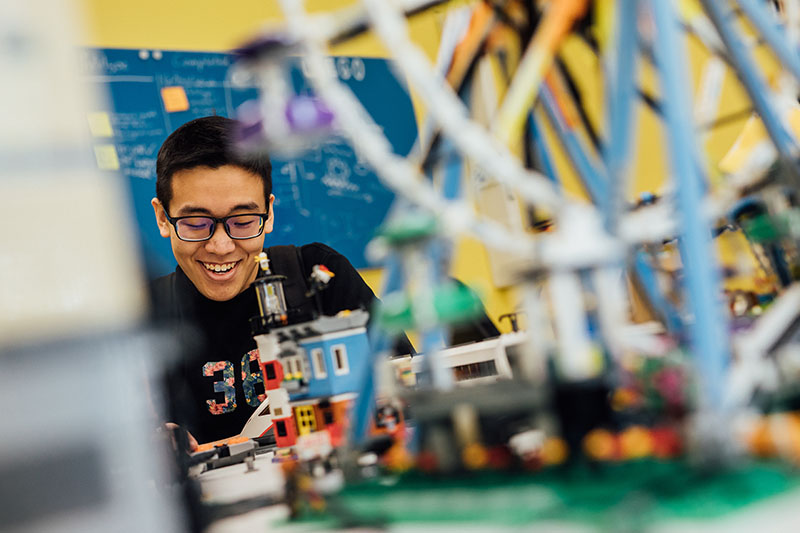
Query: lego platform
{"x": 642, "y": 496}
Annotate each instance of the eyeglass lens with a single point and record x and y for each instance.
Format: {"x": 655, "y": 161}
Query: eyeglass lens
{"x": 200, "y": 228}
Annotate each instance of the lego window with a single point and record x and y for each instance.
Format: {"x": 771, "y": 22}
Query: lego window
{"x": 318, "y": 359}
{"x": 475, "y": 370}
{"x": 269, "y": 368}
{"x": 306, "y": 421}
{"x": 298, "y": 367}
{"x": 340, "y": 364}
{"x": 280, "y": 427}
{"x": 278, "y": 411}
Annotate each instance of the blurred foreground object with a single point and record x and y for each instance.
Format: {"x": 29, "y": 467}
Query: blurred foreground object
{"x": 76, "y": 452}
{"x": 69, "y": 259}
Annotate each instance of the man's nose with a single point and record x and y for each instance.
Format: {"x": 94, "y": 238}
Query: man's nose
{"x": 220, "y": 243}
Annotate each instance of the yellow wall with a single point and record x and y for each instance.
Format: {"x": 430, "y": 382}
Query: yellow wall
{"x": 213, "y": 25}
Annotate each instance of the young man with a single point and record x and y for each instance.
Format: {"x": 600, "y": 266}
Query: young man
{"x": 215, "y": 206}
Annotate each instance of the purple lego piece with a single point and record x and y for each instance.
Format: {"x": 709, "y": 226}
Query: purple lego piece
{"x": 308, "y": 113}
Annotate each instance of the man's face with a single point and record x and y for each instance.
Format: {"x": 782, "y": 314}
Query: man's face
{"x": 227, "y": 190}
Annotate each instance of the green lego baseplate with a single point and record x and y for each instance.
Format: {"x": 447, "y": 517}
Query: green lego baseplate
{"x": 628, "y": 496}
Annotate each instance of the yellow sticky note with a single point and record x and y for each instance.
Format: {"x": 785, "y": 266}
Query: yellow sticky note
{"x": 106, "y": 155}
{"x": 174, "y": 99}
{"x": 100, "y": 124}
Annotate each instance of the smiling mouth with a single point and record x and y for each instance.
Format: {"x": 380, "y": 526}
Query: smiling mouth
{"x": 219, "y": 269}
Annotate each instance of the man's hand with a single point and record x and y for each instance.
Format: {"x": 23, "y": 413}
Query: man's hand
{"x": 172, "y": 427}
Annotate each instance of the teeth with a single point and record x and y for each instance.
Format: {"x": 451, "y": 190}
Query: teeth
{"x": 216, "y": 267}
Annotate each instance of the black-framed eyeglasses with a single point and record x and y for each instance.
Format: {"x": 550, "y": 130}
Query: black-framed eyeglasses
{"x": 196, "y": 228}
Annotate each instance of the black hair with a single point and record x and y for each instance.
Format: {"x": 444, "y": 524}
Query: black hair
{"x": 205, "y": 142}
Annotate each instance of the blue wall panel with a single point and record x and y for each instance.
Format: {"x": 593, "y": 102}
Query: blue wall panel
{"x": 324, "y": 195}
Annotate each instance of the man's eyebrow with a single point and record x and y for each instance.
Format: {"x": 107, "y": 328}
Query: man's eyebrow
{"x": 197, "y": 210}
{"x": 249, "y": 206}
{"x": 192, "y": 210}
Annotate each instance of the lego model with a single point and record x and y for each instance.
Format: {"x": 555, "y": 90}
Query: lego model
{"x": 312, "y": 369}
{"x": 580, "y": 387}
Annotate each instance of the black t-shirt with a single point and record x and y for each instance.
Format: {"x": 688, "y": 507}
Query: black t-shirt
{"x": 217, "y": 384}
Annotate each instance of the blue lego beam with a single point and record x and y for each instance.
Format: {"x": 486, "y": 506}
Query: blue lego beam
{"x": 452, "y": 170}
{"x": 773, "y": 34}
{"x": 664, "y": 308}
{"x": 754, "y": 83}
{"x": 379, "y": 343}
{"x": 540, "y": 148}
{"x": 708, "y": 327}
{"x": 434, "y": 337}
{"x": 593, "y": 178}
{"x": 622, "y": 94}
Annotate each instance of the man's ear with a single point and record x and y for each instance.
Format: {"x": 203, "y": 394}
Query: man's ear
{"x": 268, "y": 225}
{"x": 161, "y": 217}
